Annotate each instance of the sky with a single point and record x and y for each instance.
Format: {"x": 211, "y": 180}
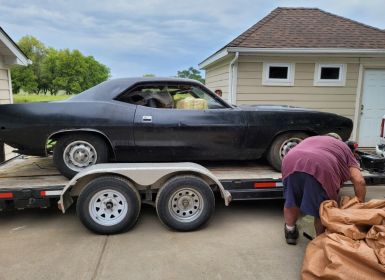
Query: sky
{"x": 158, "y": 37}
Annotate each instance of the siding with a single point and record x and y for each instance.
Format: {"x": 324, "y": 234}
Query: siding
{"x": 5, "y": 97}
{"x": 217, "y": 77}
{"x": 340, "y": 100}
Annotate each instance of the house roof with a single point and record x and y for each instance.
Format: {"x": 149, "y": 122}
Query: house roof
{"x": 304, "y": 29}
{"x": 10, "y": 50}
{"x": 309, "y": 28}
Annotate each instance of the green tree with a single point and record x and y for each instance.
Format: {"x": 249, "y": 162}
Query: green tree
{"x": 50, "y": 71}
{"x": 29, "y": 78}
{"x": 191, "y": 73}
{"x": 23, "y": 78}
{"x": 74, "y": 73}
{"x": 149, "y": 75}
{"x": 53, "y": 70}
{"x": 96, "y": 73}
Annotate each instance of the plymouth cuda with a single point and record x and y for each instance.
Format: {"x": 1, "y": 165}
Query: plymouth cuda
{"x": 158, "y": 120}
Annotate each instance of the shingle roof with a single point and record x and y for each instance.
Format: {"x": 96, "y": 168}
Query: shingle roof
{"x": 309, "y": 28}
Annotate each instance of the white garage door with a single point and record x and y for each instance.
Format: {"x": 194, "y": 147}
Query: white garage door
{"x": 373, "y": 107}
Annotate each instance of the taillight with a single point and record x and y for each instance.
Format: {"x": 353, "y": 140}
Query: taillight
{"x": 382, "y": 128}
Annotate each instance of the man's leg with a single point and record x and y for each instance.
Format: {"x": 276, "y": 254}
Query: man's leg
{"x": 314, "y": 194}
{"x": 291, "y": 215}
{"x": 319, "y": 227}
{"x": 292, "y": 189}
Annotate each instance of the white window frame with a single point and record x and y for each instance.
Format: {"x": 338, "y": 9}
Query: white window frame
{"x": 266, "y": 81}
{"x": 329, "y": 82}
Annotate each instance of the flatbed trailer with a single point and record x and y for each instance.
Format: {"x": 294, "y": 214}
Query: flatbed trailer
{"x": 34, "y": 182}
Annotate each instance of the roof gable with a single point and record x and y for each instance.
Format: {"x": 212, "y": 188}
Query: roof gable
{"x": 10, "y": 51}
{"x": 309, "y": 28}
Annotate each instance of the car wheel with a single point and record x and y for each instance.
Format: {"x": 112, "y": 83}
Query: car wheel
{"x": 185, "y": 203}
{"x": 73, "y": 153}
{"x": 108, "y": 205}
{"x": 281, "y": 146}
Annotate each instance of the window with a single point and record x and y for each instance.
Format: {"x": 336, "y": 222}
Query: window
{"x": 278, "y": 74}
{"x": 329, "y": 74}
{"x": 169, "y": 96}
{"x": 191, "y": 97}
{"x": 153, "y": 95}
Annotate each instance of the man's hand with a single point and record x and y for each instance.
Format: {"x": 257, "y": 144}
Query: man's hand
{"x": 359, "y": 183}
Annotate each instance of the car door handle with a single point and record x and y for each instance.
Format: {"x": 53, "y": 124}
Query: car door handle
{"x": 147, "y": 119}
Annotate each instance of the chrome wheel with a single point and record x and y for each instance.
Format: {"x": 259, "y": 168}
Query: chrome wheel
{"x": 79, "y": 155}
{"x": 108, "y": 207}
{"x": 288, "y": 145}
{"x": 185, "y": 205}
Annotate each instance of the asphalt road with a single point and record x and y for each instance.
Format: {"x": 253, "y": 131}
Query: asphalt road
{"x": 243, "y": 241}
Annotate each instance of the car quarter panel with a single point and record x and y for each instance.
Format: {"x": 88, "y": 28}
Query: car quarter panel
{"x": 27, "y": 126}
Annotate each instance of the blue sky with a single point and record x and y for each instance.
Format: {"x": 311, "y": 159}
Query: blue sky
{"x": 155, "y": 36}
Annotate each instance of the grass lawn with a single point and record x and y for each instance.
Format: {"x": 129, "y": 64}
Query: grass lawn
{"x": 28, "y": 98}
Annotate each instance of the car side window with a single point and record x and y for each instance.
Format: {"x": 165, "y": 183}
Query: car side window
{"x": 155, "y": 96}
{"x": 192, "y": 97}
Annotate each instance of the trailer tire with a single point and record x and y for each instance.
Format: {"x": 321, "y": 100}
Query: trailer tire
{"x": 185, "y": 203}
{"x": 108, "y": 205}
{"x": 92, "y": 149}
{"x": 281, "y": 145}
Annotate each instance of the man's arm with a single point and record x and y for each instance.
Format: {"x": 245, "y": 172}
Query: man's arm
{"x": 359, "y": 183}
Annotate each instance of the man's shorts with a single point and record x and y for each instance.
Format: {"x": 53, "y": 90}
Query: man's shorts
{"x": 302, "y": 190}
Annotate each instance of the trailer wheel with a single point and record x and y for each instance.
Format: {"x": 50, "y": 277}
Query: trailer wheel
{"x": 74, "y": 152}
{"x": 185, "y": 203}
{"x": 108, "y": 205}
{"x": 281, "y": 146}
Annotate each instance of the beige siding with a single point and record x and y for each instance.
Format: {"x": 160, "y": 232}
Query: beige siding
{"x": 5, "y": 97}
{"x": 339, "y": 100}
{"x": 217, "y": 77}
{"x": 4, "y": 86}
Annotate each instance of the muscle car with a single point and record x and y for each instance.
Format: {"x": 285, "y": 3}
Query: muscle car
{"x": 158, "y": 120}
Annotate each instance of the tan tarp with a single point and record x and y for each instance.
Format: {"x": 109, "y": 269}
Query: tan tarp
{"x": 353, "y": 246}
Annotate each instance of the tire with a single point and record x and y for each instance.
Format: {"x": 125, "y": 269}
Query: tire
{"x": 281, "y": 146}
{"x": 198, "y": 198}
{"x": 108, "y": 191}
{"x": 74, "y": 152}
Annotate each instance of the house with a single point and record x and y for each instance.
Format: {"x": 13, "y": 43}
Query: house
{"x": 309, "y": 58}
{"x": 10, "y": 54}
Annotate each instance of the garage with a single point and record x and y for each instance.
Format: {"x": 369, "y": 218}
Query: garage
{"x": 372, "y": 106}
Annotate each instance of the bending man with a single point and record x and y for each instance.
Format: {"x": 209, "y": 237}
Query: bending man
{"x": 312, "y": 172}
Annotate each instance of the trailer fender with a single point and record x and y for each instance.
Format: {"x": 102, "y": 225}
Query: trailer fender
{"x": 142, "y": 175}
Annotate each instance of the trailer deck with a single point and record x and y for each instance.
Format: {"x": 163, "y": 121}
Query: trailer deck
{"x": 27, "y": 182}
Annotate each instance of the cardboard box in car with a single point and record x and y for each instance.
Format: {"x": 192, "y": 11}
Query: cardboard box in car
{"x": 200, "y": 104}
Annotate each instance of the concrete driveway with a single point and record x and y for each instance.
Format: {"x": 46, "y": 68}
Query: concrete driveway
{"x": 243, "y": 241}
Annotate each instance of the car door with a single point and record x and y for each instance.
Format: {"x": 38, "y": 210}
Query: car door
{"x": 212, "y": 131}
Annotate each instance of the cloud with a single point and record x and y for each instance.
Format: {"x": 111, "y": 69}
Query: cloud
{"x": 154, "y": 36}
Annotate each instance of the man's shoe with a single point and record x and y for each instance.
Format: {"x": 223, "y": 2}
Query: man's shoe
{"x": 291, "y": 235}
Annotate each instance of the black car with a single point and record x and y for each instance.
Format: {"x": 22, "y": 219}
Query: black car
{"x": 158, "y": 119}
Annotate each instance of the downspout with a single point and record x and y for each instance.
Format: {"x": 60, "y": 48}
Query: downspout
{"x": 232, "y": 80}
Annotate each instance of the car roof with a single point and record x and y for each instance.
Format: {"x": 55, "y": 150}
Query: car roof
{"x": 108, "y": 90}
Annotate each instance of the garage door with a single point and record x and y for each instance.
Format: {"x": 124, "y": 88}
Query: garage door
{"x": 373, "y": 107}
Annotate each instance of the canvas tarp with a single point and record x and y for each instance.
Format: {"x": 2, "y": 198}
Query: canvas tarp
{"x": 353, "y": 246}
